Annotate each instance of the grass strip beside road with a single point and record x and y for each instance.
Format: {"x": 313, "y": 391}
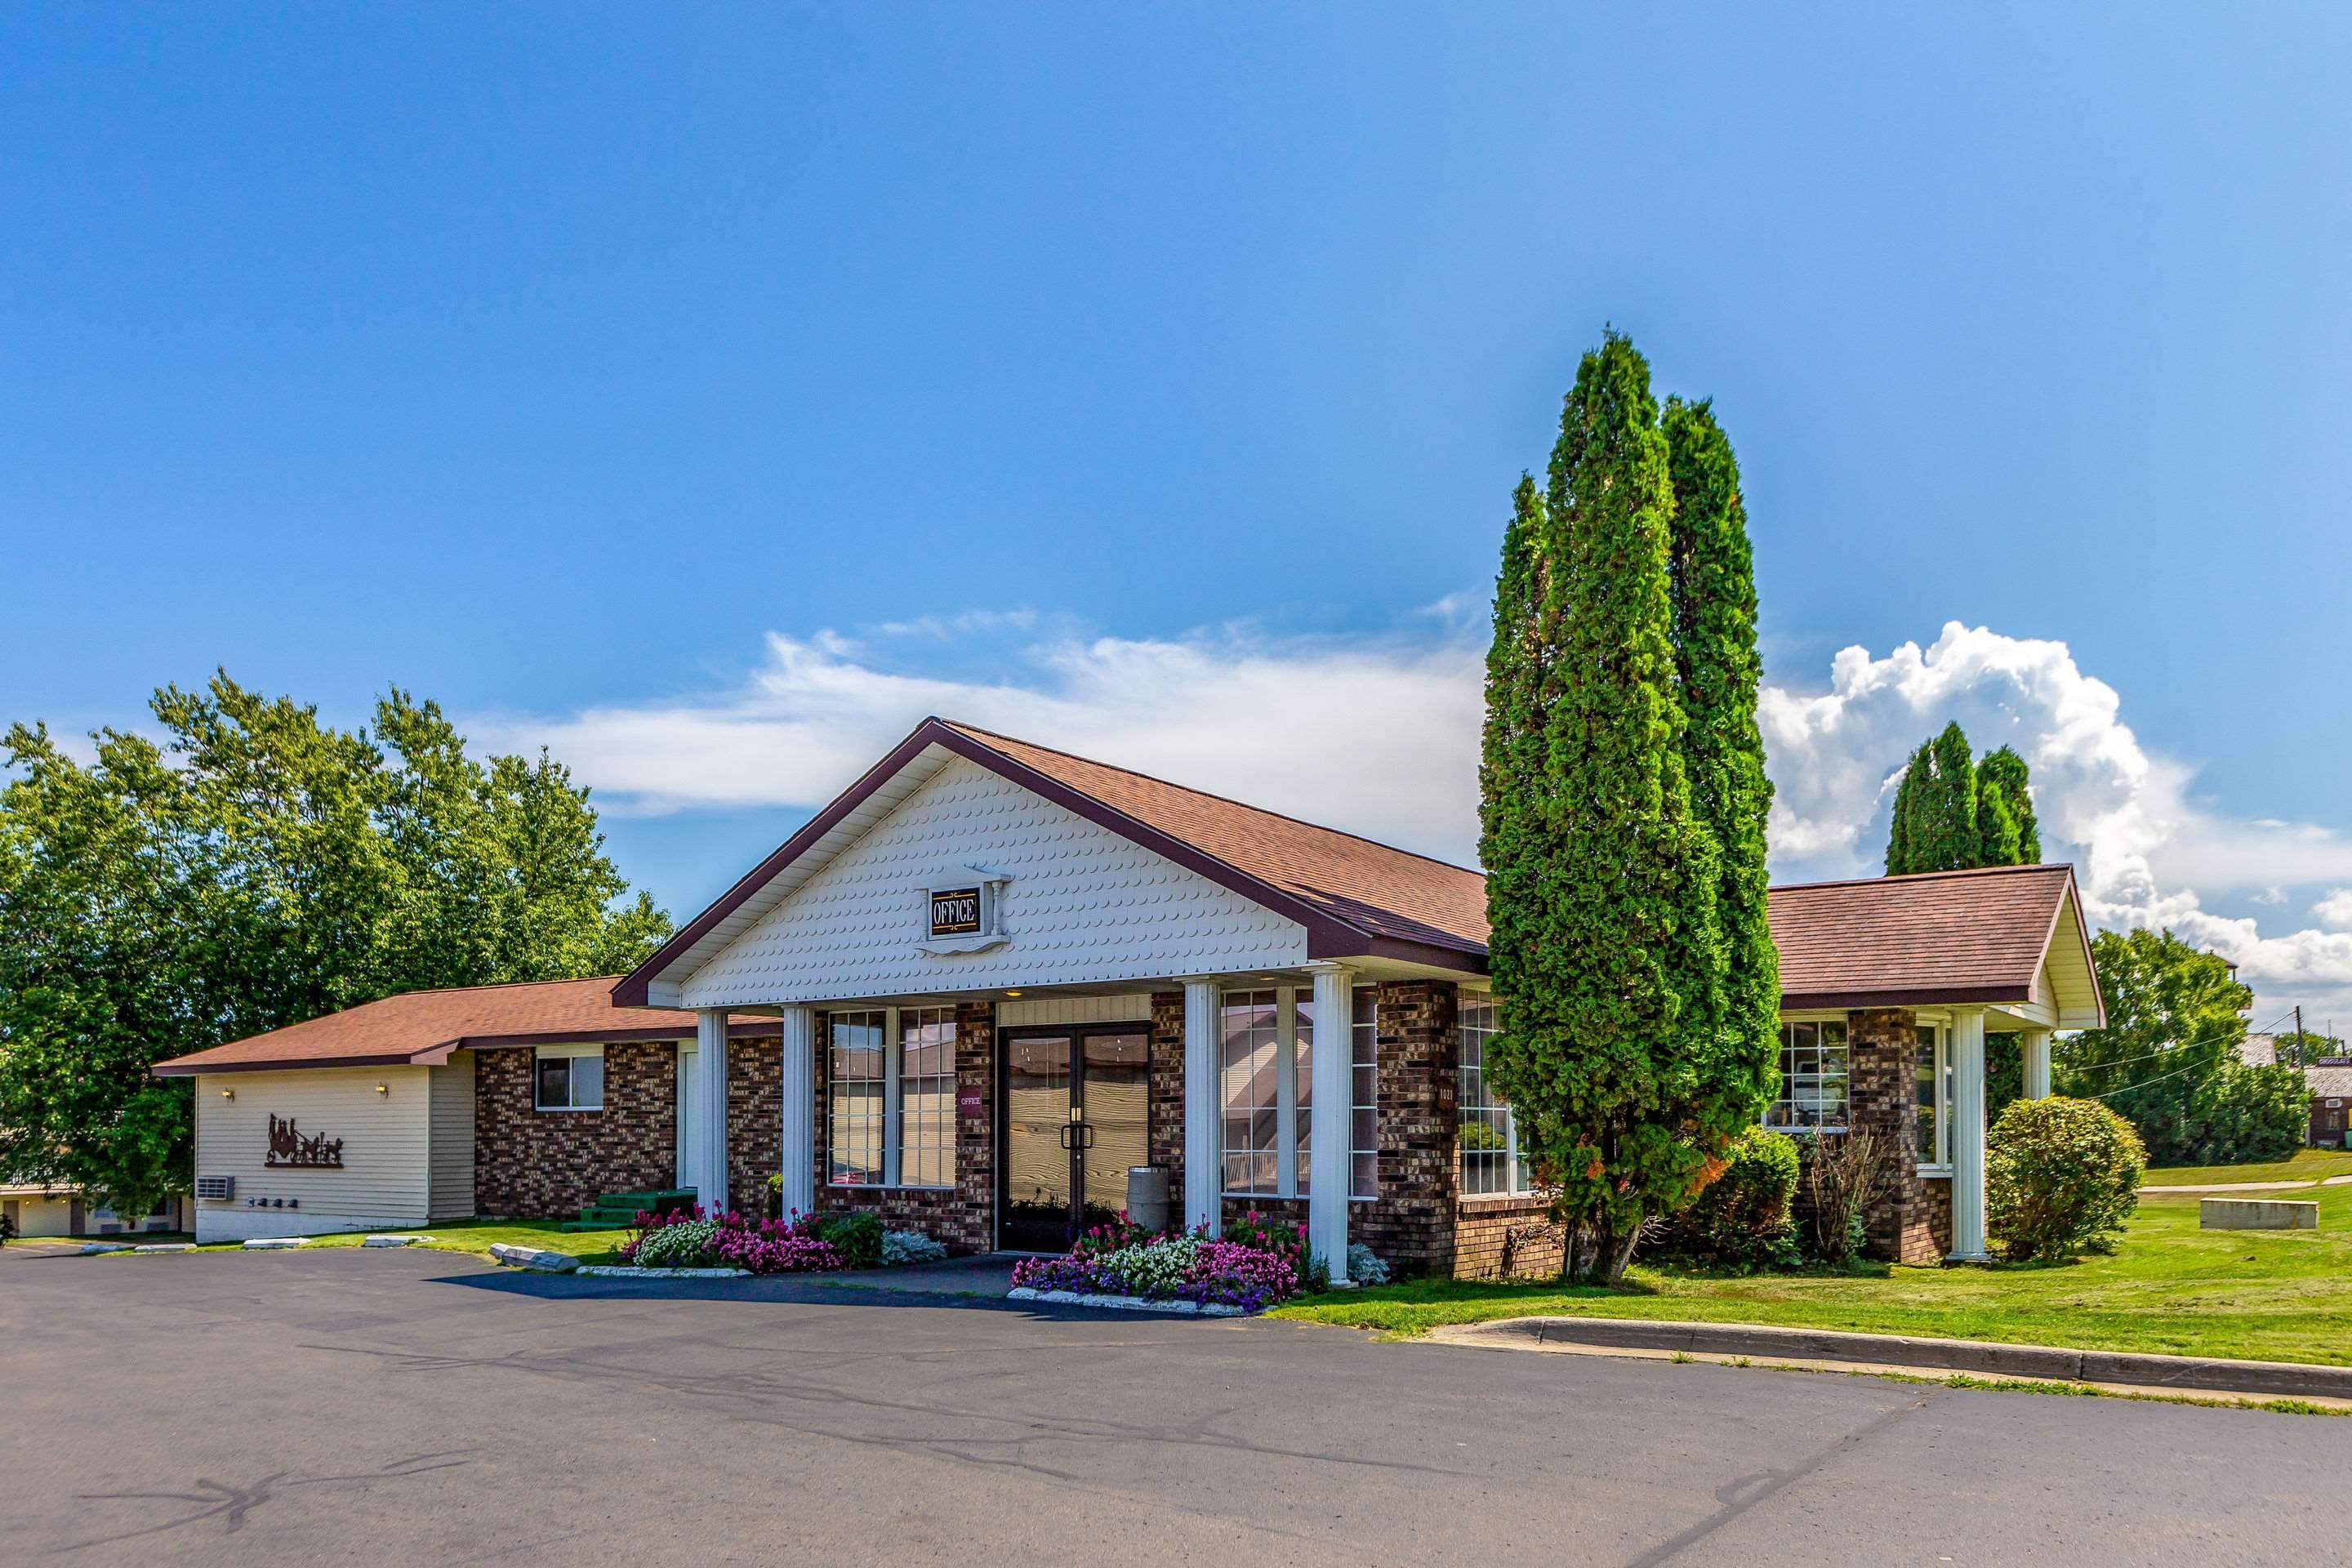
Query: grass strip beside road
{"x": 2305, "y": 1165}
{"x": 476, "y": 1236}
{"x": 2168, "y": 1289}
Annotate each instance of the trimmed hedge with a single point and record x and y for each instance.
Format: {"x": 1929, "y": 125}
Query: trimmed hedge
{"x": 2062, "y": 1176}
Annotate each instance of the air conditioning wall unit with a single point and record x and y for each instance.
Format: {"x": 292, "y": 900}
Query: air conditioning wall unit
{"x": 217, "y": 1187}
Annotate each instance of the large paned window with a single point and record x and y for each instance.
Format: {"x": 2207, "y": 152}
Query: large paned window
{"x": 568, "y": 1078}
{"x": 927, "y": 1097}
{"x": 1249, "y": 1027}
{"x": 1364, "y": 1173}
{"x": 1491, "y": 1160}
{"x": 857, "y": 1083}
{"x": 1935, "y": 1070}
{"x": 1266, "y": 1087}
{"x": 1813, "y": 1078}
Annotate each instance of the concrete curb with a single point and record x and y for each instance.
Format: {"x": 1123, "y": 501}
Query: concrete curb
{"x": 629, "y": 1271}
{"x": 1126, "y": 1303}
{"x": 99, "y": 1248}
{"x": 392, "y": 1240}
{"x": 2267, "y": 1379}
{"x": 271, "y": 1243}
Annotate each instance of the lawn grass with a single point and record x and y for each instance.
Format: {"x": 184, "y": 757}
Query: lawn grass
{"x": 2305, "y": 1165}
{"x": 2169, "y": 1287}
{"x": 476, "y": 1236}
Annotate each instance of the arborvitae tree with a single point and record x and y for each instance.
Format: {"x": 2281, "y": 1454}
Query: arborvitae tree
{"x": 1997, "y": 835}
{"x": 2004, "y": 770}
{"x": 1952, "y": 814}
{"x": 1714, "y": 592}
{"x": 1902, "y": 845}
{"x": 1605, "y": 952}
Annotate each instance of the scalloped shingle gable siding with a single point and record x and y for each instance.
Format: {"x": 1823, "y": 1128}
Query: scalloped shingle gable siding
{"x": 1083, "y": 905}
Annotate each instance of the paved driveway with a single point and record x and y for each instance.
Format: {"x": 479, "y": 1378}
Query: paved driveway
{"x": 352, "y": 1408}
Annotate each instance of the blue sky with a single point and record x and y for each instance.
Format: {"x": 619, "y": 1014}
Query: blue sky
{"x": 706, "y": 392}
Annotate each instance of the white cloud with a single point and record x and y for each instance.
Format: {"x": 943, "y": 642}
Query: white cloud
{"x": 1380, "y": 737}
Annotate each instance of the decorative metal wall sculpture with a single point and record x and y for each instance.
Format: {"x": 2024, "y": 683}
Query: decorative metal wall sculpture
{"x": 289, "y": 1149}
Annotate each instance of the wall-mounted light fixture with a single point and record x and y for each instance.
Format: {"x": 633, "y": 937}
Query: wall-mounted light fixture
{"x": 384, "y": 1088}
{"x": 1012, "y": 992}
{"x": 229, "y": 1094}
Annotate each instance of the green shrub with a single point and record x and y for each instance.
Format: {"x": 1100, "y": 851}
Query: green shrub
{"x": 858, "y": 1237}
{"x": 1741, "y": 1218}
{"x": 2246, "y": 1115}
{"x": 2061, "y": 1177}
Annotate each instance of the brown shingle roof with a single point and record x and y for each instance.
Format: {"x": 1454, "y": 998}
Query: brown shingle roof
{"x": 425, "y": 1025}
{"x": 1956, "y": 936}
{"x": 1372, "y": 887}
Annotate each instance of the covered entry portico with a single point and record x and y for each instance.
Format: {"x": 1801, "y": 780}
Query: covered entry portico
{"x": 1213, "y": 974}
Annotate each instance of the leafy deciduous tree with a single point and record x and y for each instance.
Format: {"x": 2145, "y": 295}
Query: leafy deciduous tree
{"x": 261, "y": 869}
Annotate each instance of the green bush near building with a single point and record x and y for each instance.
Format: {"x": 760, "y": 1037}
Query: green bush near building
{"x": 2168, "y": 1287}
{"x": 2061, "y": 1176}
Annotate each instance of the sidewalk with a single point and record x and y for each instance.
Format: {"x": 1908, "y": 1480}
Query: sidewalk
{"x": 2251, "y": 1186}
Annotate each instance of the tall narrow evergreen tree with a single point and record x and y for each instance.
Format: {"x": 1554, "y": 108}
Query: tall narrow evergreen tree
{"x": 1903, "y": 833}
{"x": 1605, "y": 952}
{"x": 1714, "y": 595}
{"x": 1952, "y": 812}
{"x": 2003, "y": 769}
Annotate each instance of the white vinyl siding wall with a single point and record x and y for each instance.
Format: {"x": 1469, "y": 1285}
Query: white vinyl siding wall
{"x": 451, "y": 1192}
{"x": 386, "y": 1175}
{"x": 1080, "y": 904}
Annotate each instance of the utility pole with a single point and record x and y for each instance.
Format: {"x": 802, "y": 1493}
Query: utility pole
{"x": 2302, "y": 1049}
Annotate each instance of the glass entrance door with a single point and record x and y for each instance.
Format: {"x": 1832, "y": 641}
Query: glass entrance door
{"x": 1077, "y": 1115}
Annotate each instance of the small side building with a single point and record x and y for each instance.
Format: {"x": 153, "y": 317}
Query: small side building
{"x": 527, "y": 1100}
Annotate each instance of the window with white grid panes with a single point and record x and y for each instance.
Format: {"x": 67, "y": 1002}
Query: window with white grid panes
{"x": 1814, "y": 1061}
{"x": 856, "y": 1085}
{"x": 1248, "y": 1030}
{"x": 1364, "y": 1171}
{"x": 1491, "y": 1160}
{"x": 927, "y": 1097}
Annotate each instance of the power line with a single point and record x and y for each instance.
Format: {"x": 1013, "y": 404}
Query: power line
{"x": 2165, "y": 1051}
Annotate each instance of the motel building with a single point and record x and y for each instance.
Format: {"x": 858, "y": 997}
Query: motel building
{"x": 991, "y": 979}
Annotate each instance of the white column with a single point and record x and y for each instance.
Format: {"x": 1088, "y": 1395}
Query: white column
{"x": 711, "y": 1107}
{"x": 2037, "y": 1063}
{"x": 1285, "y": 1091}
{"x": 798, "y": 1143}
{"x": 1967, "y": 1135}
{"x": 1203, "y": 1106}
{"x": 1331, "y": 1132}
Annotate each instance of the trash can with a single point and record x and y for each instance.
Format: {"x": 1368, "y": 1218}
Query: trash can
{"x": 1147, "y": 1198}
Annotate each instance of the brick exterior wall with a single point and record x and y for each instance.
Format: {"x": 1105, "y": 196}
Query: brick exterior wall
{"x": 542, "y": 1165}
{"x": 755, "y": 1121}
{"x": 1506, "y": 1238}
{"x": 1882, "y": 1094}
{"x": 1167, "y": 1094}
{"x": 962, "y": 1217}
{"x": 1938, "y": 1191}
{"x": 1410, "y": 1224}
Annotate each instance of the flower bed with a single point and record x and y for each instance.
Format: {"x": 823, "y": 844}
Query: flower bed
{"x": 1253, "y": 1268}
{"x": 689, "y": 1239}
{"x": 692, "y": 1238}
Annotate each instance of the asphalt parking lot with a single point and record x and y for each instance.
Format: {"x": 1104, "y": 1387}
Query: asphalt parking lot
{"x": 407, "y": 1407}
